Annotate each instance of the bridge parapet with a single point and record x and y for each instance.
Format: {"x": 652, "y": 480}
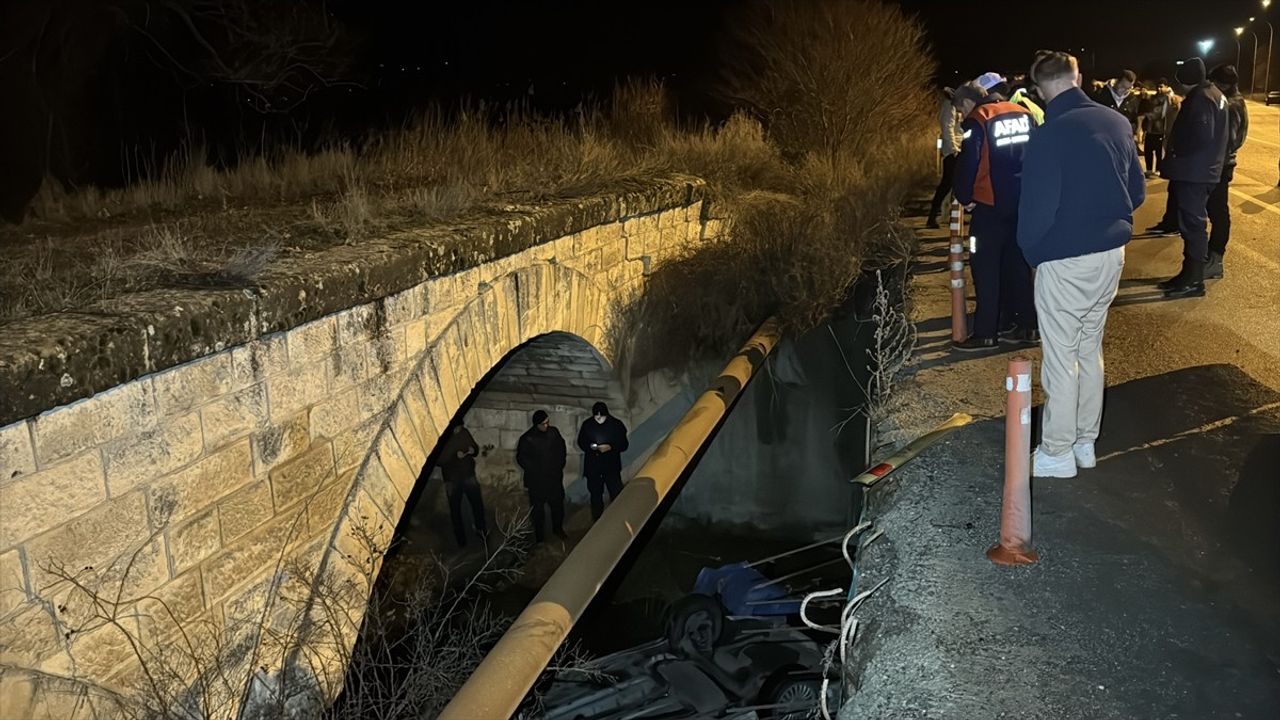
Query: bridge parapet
{"x": 183, "y": 445}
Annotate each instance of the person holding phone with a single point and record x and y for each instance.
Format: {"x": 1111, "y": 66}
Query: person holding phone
{"x": 602, "y": 439}
{"x": 458, "y": 466}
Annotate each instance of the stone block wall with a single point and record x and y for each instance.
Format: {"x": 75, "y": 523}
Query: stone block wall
{"x": 557, "y": 373}
{"x": 200, "y": 489}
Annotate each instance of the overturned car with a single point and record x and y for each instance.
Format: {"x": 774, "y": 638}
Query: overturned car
{"x": 707, "y": 665}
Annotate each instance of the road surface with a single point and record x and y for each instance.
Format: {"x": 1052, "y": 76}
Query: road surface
{"x": 1158, "y": 590}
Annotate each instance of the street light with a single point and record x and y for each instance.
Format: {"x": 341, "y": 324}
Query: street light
{"x": 1239, "y": 32}
{"x": 1253, "y": 62}
{"x": 1271, "y": 42}
{"x": 1205, "y": 46}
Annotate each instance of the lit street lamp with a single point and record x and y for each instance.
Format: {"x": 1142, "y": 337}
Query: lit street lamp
{"x": 1271, "y": 41}
{"x": 1205, "y": 46}
{"x": 1239, "y": 32}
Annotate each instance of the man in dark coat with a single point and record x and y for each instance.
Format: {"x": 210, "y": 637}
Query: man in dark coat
{"x": 541, "y": 454}
{"x": 1118, "y": 95}
{"x": 458, "y": 465}
{"x": 1193, "y": 165}
{"x": 603, "y": 439}
{"x": 1227, "y": 80}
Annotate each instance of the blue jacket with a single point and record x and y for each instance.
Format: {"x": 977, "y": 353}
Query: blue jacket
{"x": 989, "y": 168}
{"x": 1200, "y": 137}
{"x": 1081, "y": 181}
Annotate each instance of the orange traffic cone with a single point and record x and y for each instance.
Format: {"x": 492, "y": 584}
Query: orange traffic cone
{"x": 1014, "y": 547}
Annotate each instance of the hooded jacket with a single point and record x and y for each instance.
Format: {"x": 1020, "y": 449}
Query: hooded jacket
{"x": 612, "y": 433}
{"x": 1238, "y": 122}
{"x": 1198, "y": 140}
{"x": 1081, "y": 181}
{"x": 989, "y": 169}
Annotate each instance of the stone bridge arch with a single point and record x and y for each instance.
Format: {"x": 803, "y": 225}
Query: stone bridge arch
{"x": 548, "y": 306}
{"x": 233, "y": 437}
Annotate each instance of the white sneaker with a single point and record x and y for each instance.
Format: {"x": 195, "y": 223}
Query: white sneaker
{"x": 1085, "y": 457}
{"x": 1056, "y": 466}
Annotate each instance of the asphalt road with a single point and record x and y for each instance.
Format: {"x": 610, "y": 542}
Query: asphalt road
{"x": 1158, "y": 590}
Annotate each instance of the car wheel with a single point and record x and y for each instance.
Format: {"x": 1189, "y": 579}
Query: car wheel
{"x": 798, "y": 696}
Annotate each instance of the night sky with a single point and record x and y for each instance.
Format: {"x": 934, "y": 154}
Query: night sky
{"x": 979, "y": 35}
{"x": 566, "y": 47}
{"x": 88, "y": 85}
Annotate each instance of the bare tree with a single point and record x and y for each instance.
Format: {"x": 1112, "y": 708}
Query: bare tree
{"x": 275, "y": 54}
{"x": 832, "y": 77}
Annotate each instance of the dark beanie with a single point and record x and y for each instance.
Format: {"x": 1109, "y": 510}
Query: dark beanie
{"x": 1225, "y": 75}
{"x": 1191, "y": 72}
{"x": 599, "y": 409}
{"x": 539, "y": 416}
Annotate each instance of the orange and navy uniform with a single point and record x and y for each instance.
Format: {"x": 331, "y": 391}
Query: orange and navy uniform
{"x": 989, "y": 169}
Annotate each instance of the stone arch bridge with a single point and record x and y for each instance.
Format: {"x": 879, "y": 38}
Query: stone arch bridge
{"x": 182, "y": 448}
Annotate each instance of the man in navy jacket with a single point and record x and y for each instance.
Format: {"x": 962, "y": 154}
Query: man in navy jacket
{"x": 1081, "y": 181}
{"x": 1193, "y": 166}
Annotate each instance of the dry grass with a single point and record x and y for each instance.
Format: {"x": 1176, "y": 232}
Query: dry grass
{"x": 841, "y": 89}
{"x": 835, "y": 129}
{"x": 195, "y": 224}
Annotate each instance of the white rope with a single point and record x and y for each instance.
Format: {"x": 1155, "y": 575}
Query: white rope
{"x": 804, "y": 606}
{"x": 844, "y": 545}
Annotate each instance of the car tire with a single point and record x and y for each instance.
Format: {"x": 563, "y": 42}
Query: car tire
{"x": 802, "y": 690}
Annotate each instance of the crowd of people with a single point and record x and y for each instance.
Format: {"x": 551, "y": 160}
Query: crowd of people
{"x": 1051, "y": 177}
{"x": 542, "y": 455}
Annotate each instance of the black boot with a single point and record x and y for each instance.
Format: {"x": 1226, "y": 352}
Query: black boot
{"x": 932, "y": 222}
{"x": 1213, "y": 268}
{"x": 1191, "y": 283}
{"x": 1176, "y": 280}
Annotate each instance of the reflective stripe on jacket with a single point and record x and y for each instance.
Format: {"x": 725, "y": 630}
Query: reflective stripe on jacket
{"x": 989, "y": 170}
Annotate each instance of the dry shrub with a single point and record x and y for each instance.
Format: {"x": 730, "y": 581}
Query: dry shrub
{"x": 837, "y": 132}
{"x": 837, "y": 78}
{"x": 841, "y": 89}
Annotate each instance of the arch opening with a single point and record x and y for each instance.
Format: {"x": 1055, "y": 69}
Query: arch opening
{"x": 558, "y": 372}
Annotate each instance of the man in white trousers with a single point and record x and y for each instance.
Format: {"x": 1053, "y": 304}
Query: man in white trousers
{"x": 1081, "y": 182}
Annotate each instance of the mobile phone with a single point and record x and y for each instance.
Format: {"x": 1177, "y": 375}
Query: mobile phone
{"x": 595, "y": 445}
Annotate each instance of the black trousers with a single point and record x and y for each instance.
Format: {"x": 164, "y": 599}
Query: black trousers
{"x": 541, "y": 500}
{"x": 1192, "y": 203}
{"x": 596, "y": 484}
{"x": 1220, "y": 213}
{"x": 1001, "y": 275}
{"x": 1153, "y": 151}
{"x": 944, "y": 185}
{"x": 1170, "y": 219}
{"x": 456, "y": 491}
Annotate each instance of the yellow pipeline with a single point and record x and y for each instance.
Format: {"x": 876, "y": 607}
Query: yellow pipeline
{"x": 498, "y": 685}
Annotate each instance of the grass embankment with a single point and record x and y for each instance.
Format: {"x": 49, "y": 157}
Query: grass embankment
{"x": 834, "y": 127}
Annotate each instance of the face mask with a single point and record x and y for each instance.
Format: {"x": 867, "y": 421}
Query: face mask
{"x": 599, "y": 419}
